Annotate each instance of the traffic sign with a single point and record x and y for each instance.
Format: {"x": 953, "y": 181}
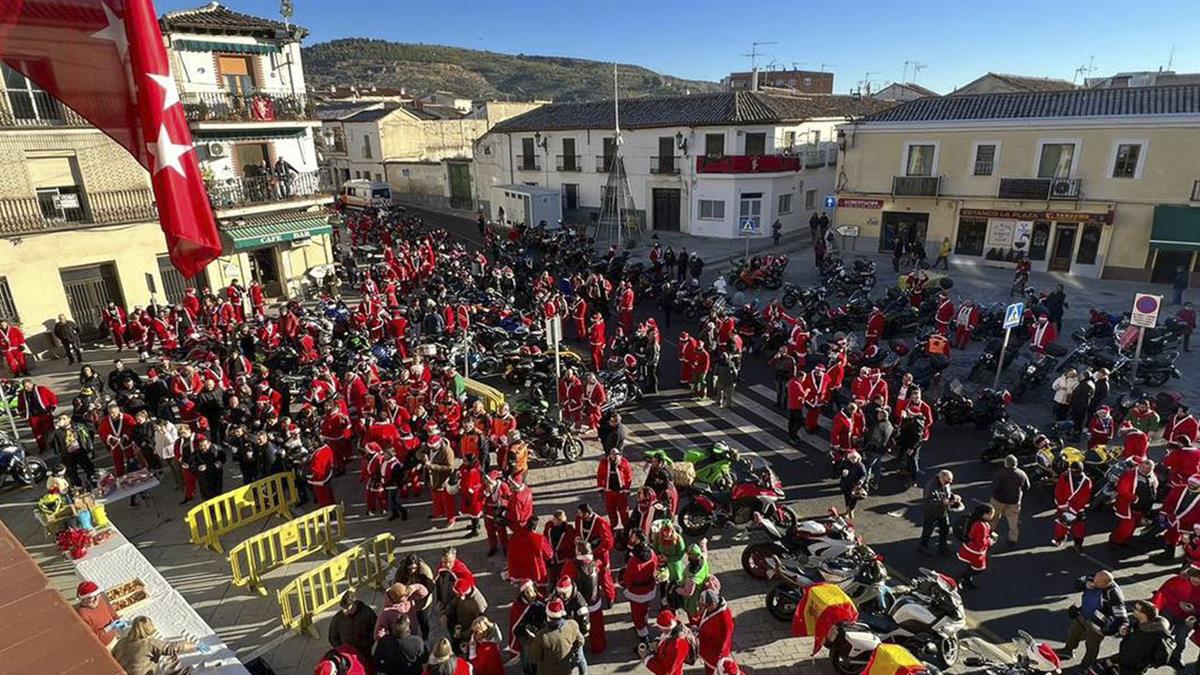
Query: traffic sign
{"x": 749, "y": 226}
{"x": 830, "y": 202}
{"x": 848, "y": 230}
{"x": 1145, "y": 310}
{"x": 1013, "y": 315}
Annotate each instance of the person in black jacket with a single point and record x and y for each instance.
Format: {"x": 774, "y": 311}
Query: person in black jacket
{"x": 67, "y": 334}
{"x": 1082, "y": 401}
{"x": 1100, "y": 612}
{"x": 400, "y": 653}
{"x": 1146, "y": 641}
{"x": 209, "y": 464}
{"x": 696, "y": 265}
{"x": 353, "y": 625}
{"x": 682, "y": 265}
{"x": 73, "y": 447}
{"x": 157, "y": 394}
{"x": 120, "y": 373}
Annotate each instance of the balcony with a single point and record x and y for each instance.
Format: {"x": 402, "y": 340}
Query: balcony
{"x": 528, "y": 163}
{"x": 51, "y": 212}
{"x": 233, "y": 193}
{"x": 1041, "y": 189}
{"x": 916, "y": 186}
{"x": 224, "y": 106}
{"x": 814, "y": 159}
{"x": 747, "y": 164}
{"x": 667, "y": 165}
{"x": 569, "y": 163}
{"x": 24, "y": 108}
{"x": 604, "y": 163}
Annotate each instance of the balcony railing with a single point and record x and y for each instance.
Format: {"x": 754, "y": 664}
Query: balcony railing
{"x": 747, "y": 164}
{"x": 528, "y": 163}
{"x": 250, "y": 190}
{"x": 35, "y": 214}
{"x": 23, "y": 108}
{"x": 604, "y": 163}
{"x": 225, "y": 106}
{"x": 569, "y": 163}
{"x": 665, "y": 164}
{"x": 814, "y": 159}
{"x": 1039, "y": 188}
{"x": 916, "y": 186}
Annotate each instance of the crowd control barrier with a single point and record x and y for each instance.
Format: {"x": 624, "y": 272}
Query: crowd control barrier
{"x": 320, "y": 530}
{"x": 241, "y": 506}
{"x": 491, "y": 396}
{"x": 319, "y": 589}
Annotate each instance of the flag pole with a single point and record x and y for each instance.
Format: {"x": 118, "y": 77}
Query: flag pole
{"x": 618, "y": 202}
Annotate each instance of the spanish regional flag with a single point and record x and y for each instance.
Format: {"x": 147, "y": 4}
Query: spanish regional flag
{"x": 822, "y": 607}
{"x": 888, "y": 659}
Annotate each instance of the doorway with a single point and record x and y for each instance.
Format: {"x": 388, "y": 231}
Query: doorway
{"x": 1063, "y": 248}
{"x": 749, "y": 213}
{"x": 1165, "y": 264}
{"x": 460, "y": 185}
{"x": 174, "y": 283}
{"x": 89, "y": 289}
{"x": 264, "y": 266}
{"x": 904, "y": 228}
{"x": 666, "y": 209}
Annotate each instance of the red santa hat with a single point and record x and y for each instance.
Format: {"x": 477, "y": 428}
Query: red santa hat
{"x": 87, "y": 589}
{"x": 373, "y": 447}
{"x": 152, "y": 373}
{"x": 1194, "y": 482}
{"x": 666, "y": 620}
{"x": 463, "y": 586}
{"x": 528, "y": 583}
{"x": 555, "y": 609}
{"x": 565, "y": 584}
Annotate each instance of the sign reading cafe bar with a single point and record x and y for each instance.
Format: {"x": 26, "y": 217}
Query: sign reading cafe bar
{"x": 1060, "y": 216}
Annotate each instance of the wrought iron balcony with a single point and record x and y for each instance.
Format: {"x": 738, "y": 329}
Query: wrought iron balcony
{"x": 569, "y": 163}
{"x": 604, "y": 163}
{"x": 63, "y": 211}
{"x": 226, "y": 106}
{"x": 666, "y": 164}
{"x": 1042, "y": 189}
{"x": 916, "y": 186}
{"x": 250, "y": 190}
{"x": 528, "y": 163}
{"x": 25, "y": 108}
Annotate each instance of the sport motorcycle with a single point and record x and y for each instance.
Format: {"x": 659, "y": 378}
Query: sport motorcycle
{"x": 1031, "y": 657}
{"x": 860, "y": 573}
{"x": 756, "y": 490}
{"x": 808, "y": 542}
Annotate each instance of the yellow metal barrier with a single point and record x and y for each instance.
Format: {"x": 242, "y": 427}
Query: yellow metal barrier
{"x": 322, "y": 587}
{"x": 286, "y": 543}
{"x": 492, "y": 398}
{"x": 241, "y": 506}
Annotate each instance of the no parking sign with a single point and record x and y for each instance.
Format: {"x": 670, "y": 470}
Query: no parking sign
{"x": 1145, "y": 310}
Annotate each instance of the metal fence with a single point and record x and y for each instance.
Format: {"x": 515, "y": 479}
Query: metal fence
{"x": 241, "y": 191}
{"x": 33, "y": 214}
{"x": 226, "y": 106}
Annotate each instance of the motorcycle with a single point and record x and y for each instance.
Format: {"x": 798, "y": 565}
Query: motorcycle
{"x": 621, "y": 387}
{"x": 1024, "y": 441}
{"x": 713, "y": 465}
{"x": 14, "y": 463}
{"x": 1040, "y": 367}
{"x": 808, "y": 542}
{"x": 1097, "y": 461}
{"x": 756, "y": 490}
{"x": 926, "y": 620}
{"x": 956, "y": 408}
{"x": 860, "y": 573}
{"x": 1103, "y": 498}
{"x": 1031, "y": 657}
{"x": 985, "y": 365}
{"x": 551, "y": 439}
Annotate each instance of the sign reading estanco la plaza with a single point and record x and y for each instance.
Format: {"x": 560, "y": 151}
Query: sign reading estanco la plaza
{"x": 1060, "y": 216}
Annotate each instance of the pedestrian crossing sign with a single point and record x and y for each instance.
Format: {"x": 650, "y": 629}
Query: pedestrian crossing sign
{"x": 749, "y": 226}
{"x": 1012, "y": 315}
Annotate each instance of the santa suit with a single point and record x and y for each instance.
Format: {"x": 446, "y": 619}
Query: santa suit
{"x": 596, "y": 531}
{"x": 968, "y": 318}
{"x": 579, "y": 309}
{"x": 669, "y": 657}
{"x": 37, "y": 407}
{"x": 1182, "y": 509}
{"x": 941, "y": 320}
{"x": 594, "y": 398}
{"x": 816, "y": 384}
{"x": 1181, "y": 428}
{"x": 115, "y": 319}
{"x": 641, "y": 588}
{"x": 974, "y": 550}
{"x": 875, "y": 324}
{"x": 701, "y": 361}
{"x": 797, "y": 394}
{"x": 336, "y": 432}
{"x": 1042, "y": 335}
{"x": 519, "y": 508}
{"x": 257, "y": 301}
{"x": 269, "y": 336}
{"x": 1071, "y": 498}
{"x": 798, "y": 344}
{"x": 190, "y": 303}
{"x": 1100, "y": 431}
{"x": 616, "y": 501}
{"x": 356, "y": 392}
{"x": 12, "y": 343}
{"x": 596, "y": 586}
{"x": 844, "y": 434}
{"x": 184, "y": 450}
{"x": 1137, "y": 444}
{"x": 320, "y": 475}
{"x": 117, "y": 435}
{"x": 373, "y": 474}
{"x": 528, "y": 554}
{"x": 687, "y": 347}
{"x": 470, "y": 491}
{"x": 570, "y": 392}
{"x": 495, "y": 502}
{"x": 625, "y": 310}
{"x": 715, "y": 635}
{"x": 1181, "y": 463}
{"x": 1134, "y": 498}
{"x": 596, "y": 341}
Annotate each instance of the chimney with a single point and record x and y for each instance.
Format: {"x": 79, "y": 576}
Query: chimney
{"x": 754, "y": 79}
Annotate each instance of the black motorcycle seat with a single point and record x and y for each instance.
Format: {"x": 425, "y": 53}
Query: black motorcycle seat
{"x": 878, "y": 623}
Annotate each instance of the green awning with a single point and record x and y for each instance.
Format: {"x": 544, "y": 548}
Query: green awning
{"x": 224, "y": 47}
{"x": 1176, "y": 228}
{"x": 246, "y": 237}
{"x": 238, "y": 134}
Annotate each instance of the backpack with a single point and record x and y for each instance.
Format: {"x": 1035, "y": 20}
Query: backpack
{"x": 962, "y": 527}
{"x": 693, "y": 655}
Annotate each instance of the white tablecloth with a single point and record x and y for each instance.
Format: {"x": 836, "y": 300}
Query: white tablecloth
{"x": 121, "y": 494}
{"x": 117, "y": 561}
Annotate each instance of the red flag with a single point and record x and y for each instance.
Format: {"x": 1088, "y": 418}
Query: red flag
{"x": 105, "y": 59}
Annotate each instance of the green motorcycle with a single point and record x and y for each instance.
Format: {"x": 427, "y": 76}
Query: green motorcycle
{"x": 713, "y": 465}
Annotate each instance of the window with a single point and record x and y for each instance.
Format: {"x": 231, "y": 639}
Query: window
{"x": 28, "y": 102}
{"x": 8, "y": 308}
{"x": 712, "y": 209}
{"x": 756, "y": 144}
{"x": 528, "y": 154}
{"x": 610, "y": 153}
{"x": 985, "y": 159}
{"x": 378, "y": 178}
{"x": 972, "y": 232}
{"x": 750, "y": 209}
{"x": 1089, "y": 245}
{"x": 366, "y": 146}
{"x": 816, "y": 136}
{"x": 785, "y": 203}
{"x": 808, "y": 81}
{"x": 570, "y": 196}
{"x": 1040, "y": 240}
{"x": 569, "y": 162}
{"x": 789, "y": 139}
{"x": 810, "y": 200}
{"x": 237, "y": 73}
{"x": 1126, "y": 162}
{"x": 714, "y": 145}
{"x": 59, "y": 194}
{"x": 920, "y": 159}
{"x": 1056, "y": 160}
{"x": 339, "y": 139}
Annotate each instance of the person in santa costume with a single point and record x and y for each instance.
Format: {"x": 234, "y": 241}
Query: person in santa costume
{"x": 570, "y": 392}
{"x": 529, "y": 554}
{"x": 672, "y": 650}
{"x": 559, "y": 532}
{"x": 341, "y": 660}
{"x": 372, "y": 477}
{"x": 944, "y": 314}
{"x": 443, "y": 476}
{"x": 816, "y": 387}
{"x": 36, "y": 404}
{"x": 974, "y": 549}
{"x": 596, "y": 530}
{"x": 114, "y": 319}
{"x": 875, "y": 325}
{"x": 964, "y": 323}
{"x": 483, "y": 648}
{"x": 1042, "y": 334}
{"x": 320, "y": 475}
{"x": 1072, "y": 494}
{"x": 595, "y": 585}
{"x": 639, "y": 581}
{"x": 1181, "y": 427}
{"x": 496, "y": 494}
{"x": 596, "y": 341}
{"x": 846, "y": 432}
{"x": 594, "y": 398}
{"x": 614, "y": 478}
{"x": 1182, "y": 511}
{"x": 1136, "y": 442}
{"x": 714, "y": 627}
{"x": 526, "y": 617}
{"x": 470, "y": 491}
{"x": 1137, "y": 489}
{"x": 1101, "y": 428}
{"x": 12, "y": 344}
{"x": 579, "y": 312}
{"x": 116, "y": 432}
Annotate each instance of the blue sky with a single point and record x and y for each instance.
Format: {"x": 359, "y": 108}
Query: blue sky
{"x": 704, "y": 39}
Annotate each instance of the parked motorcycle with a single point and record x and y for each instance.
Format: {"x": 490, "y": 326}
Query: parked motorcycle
{"x": 1024, "y": 441}
{"x": 807, "y": 542}
{"x": 622, "y": 389}
{"x": 1030, "y": 657}
{"x": 713, "y": 465}
{"x": 954, "y": 407}
{"x": 22, "y": 468}
{"x": 756, "y": 490}
{"x": 1050, "y": 462}
{"x": 551, "y": 439}
{"x": 1040, "y": 368}
{"x": 860, "y": 573}
{"x": 985, "y": 365}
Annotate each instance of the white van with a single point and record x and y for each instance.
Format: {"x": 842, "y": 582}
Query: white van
{"x": 359, "y": 194}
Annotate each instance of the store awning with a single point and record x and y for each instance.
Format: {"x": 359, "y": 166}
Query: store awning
{"x": 255, "y": 134}
{"x": 246, "y": 237}
{"x": 223, "y": 47}
{"x": 1176, "y": 228}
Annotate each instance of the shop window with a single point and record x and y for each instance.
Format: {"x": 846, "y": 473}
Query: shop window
{"x": 1039, "y": 240}
{"x": 8, "y": 308}
{"x": 971, "y": 234}
{"x": 1089, "y": 245}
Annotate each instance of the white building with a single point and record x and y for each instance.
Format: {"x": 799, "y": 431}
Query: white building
{"x": 903, "y": 91}
{"x": 697, "y": 164}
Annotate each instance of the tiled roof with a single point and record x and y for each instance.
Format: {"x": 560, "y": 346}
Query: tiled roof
{"x": 724, "y": 108}
{"x": 1034, "y": 83}
{"x": 914, "y": 87}
{"x": 1141, "y": 101}
{"x": 374, "y": 114}
{"x": 217, "y": 18}
{"x": 340, "y": 110}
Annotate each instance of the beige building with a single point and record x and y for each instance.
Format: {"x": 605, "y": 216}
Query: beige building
{"x": 1096, "y": 183}
{"x": 1003, "y": 83}
{"x": 78, "y": 225}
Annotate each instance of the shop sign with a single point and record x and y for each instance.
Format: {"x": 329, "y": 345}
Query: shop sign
{"x": 854, "y": 203}
{"x": 1000, "y": 233}
{"x": 1060, "y": 216}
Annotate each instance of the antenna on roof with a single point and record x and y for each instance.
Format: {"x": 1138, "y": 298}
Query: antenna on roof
{"x": 287, "y": 9}
{"x": 864, "y": 84}
{"x": 753, "y": 56}
{"x": 1171, "y": 59}
{"x": 832, "y": 65}
{"x": 1086, "y": 71}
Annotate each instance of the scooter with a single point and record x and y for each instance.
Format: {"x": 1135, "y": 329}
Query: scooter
{"x": 860, "y": 573}
{"x": 926, "y": 620}
{"x": 808, "y": 542}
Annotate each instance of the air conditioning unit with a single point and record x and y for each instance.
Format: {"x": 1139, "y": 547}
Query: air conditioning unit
{"x": 1064, "y": 187}
{"x": 217, "y": 149}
